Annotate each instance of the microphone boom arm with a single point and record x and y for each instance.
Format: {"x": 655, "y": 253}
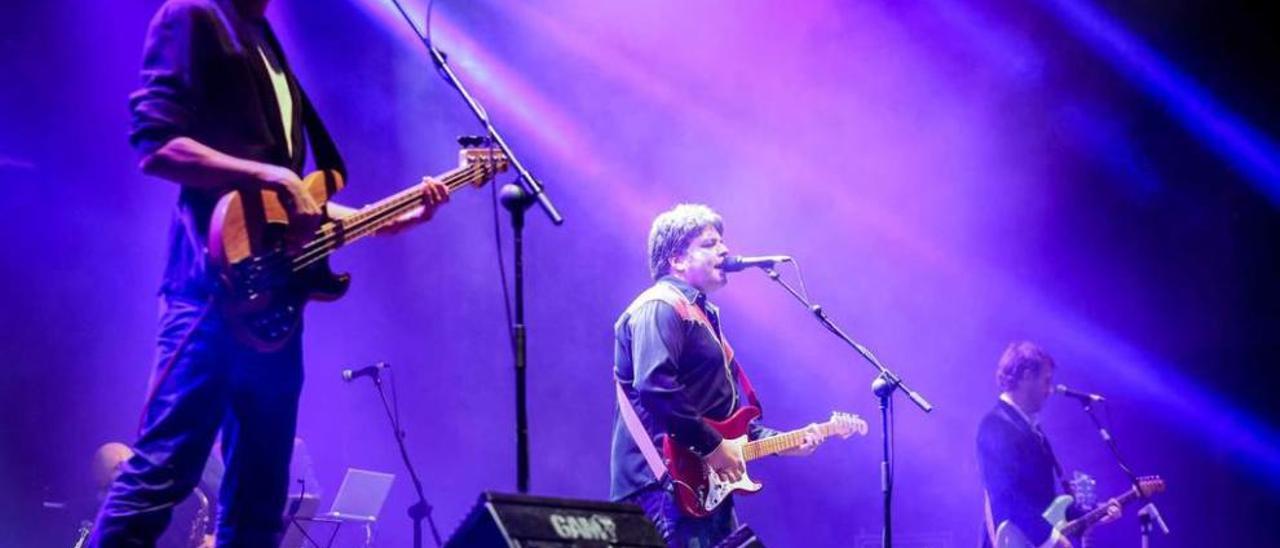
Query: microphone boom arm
{"x": 529, "y": 182}
{"x": 890, "y": 378}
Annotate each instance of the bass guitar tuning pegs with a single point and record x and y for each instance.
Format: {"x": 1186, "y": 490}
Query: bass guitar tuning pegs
{"x": 473, "y": 141}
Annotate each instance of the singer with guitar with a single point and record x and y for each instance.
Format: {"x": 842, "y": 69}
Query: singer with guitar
{"x": 221, "y": 114}
{"x": 674, "y": 372}
{"x": 1018, "y": 466}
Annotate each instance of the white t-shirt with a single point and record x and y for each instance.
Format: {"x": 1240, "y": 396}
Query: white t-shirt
{"x": 279, "y": 83}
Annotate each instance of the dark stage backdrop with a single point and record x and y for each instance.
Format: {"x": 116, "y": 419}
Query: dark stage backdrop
{"x": 1100, "y": 178}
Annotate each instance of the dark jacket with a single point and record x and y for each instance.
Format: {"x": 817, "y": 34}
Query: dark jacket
{"x": 1018, "y": 471}
{"x": 203, "y": 77}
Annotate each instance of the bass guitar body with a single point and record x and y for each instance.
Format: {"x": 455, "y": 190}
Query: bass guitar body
{"x": 270, "y": 269}
{"x": 266, "y": 281}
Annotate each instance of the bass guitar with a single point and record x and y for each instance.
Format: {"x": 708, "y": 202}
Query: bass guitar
{"x": 266, "y": 281}
{"x": 699, "y": 490}
{"x": 1009, "y": 535}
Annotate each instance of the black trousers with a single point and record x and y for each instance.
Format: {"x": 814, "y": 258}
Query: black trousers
{"x": 205, "y": 382}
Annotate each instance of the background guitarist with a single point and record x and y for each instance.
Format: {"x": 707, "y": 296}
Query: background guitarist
{"x": 672, "y": 369}
{"x": 1019, "y": 469}
{"x": 218, "y": 110}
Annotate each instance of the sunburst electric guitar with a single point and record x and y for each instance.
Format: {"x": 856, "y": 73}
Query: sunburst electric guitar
{"x": 266, "y": 281}
{"x": 699, "y": 490}
{"x": 1009, "y": 535}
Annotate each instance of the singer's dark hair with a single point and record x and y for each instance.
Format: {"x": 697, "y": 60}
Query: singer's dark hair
{"x": 672, "y": 232}
{"x": 1019, "y": 359}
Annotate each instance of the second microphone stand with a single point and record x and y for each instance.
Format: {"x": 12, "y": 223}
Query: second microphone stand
{"x": 884, "y": 385}
{"x": 420, "y": 509}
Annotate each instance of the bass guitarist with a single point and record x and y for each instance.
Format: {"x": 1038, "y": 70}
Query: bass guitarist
{"x": 672, "y": 369}
{"x": 219, "y": 110}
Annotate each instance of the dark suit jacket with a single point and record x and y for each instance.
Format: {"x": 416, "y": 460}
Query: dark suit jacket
{"x": 203, "y": 77}
{"x": 1018, "y": 471}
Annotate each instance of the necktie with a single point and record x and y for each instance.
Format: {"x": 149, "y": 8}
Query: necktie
{"x": 1048, "y": 449}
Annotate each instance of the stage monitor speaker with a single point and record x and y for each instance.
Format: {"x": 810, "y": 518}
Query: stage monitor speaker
{"x": 507, "y": 521}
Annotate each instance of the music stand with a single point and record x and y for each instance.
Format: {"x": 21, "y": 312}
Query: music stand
{"x": 361, "y": 495}
{"x": 359, "y": 501}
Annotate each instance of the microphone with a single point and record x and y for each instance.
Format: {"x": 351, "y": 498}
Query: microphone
{"x": 739, "y": 262}
{"x": 1082, "y": 397}
{"x": 367, "y": 371}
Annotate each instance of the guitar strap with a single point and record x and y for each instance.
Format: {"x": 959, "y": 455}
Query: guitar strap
{"x": 688, "y": 311}
{"x": 322, "y": 145}
{"x": 638, "y": 434}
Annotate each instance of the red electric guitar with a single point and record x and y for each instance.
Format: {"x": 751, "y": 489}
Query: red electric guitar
{"x": 699, "y": 491}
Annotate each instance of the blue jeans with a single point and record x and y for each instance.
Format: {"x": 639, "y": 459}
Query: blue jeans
{"x": 205, "y": 381}
{"x": 678, "y": 529}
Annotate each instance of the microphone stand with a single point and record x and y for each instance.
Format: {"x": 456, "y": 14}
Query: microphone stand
{"x": 1149, "y": 514}
{"x": 534, "y": 193}
{"x": 420, "y": 509}
{"x": 517, "y": 201}
{"x": 884, "y": 385}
